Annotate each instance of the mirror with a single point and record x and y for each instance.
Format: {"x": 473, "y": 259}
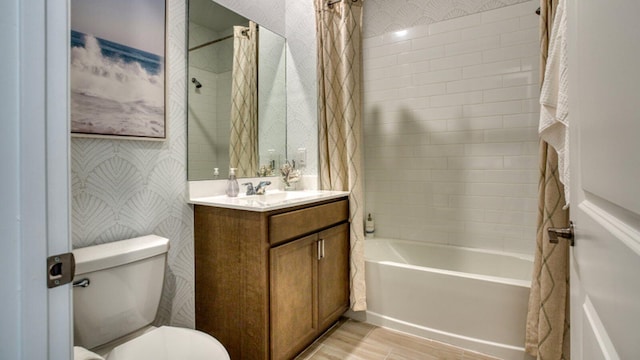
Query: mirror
{"x": 224, "y": 105}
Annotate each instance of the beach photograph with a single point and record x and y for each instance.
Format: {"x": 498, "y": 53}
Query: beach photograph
{"x": 117, "y": 68}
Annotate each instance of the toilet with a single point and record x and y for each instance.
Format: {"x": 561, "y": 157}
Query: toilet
{"x": 116, "y": 293}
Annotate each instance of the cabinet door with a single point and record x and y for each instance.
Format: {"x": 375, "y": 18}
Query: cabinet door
{"x": 294, "y": 322}
{"x": 333, "y": 274}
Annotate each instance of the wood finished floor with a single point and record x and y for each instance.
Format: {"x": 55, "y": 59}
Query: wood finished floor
{"x": 354, "y": 340}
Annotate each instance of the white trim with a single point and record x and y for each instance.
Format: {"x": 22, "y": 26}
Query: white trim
{"x": 10, "y": 321}
{"x": 46, "y": 325}
{"x": 599, "y": 331}
{"x": 58, "y": 186}
{"x": 610, "y": 221}
{"x": 33, "y": 217}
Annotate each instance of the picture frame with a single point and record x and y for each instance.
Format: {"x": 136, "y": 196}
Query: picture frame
{"x": 118, "y": 69}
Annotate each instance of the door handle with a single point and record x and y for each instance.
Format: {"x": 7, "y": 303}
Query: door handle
{"x": 561, "y": 233}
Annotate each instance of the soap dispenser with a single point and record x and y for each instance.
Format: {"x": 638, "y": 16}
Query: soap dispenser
{"x": 232, "y": 184}
{"x": 369, "y": 228}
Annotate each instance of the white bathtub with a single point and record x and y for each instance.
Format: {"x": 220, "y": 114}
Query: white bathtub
{"x": 470, "y": 298}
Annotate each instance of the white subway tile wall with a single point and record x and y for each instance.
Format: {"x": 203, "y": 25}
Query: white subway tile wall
{"x": 451, "y": 112}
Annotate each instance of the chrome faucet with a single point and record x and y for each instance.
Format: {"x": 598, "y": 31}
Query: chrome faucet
{"x": 262, "y": 187}
{"x": 258, "y": 189}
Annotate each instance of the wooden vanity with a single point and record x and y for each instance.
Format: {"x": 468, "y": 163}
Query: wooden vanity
{"x": 269, "y": 283}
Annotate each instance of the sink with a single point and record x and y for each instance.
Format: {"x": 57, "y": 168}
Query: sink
{"x": 272, "y": 200}
{"x": 274, "y": 197}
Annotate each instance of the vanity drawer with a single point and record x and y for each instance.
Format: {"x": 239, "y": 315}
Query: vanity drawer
{"x": 294, "y": 224}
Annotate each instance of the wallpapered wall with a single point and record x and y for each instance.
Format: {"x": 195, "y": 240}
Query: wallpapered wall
{"x": 124, "y": 188}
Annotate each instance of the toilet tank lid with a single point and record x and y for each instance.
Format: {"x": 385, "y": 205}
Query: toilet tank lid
{"x": 104, "y": 256}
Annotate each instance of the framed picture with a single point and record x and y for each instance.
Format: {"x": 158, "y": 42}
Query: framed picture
{"x": 117, "y": 68}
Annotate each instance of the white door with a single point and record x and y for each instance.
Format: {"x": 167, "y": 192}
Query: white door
{"x": 604, "y": 73}
{"x": 37, "y": 138}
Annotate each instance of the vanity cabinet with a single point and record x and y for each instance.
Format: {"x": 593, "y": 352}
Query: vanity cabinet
{"x": 269, "y": 283}
{"x": 309, "y": 288}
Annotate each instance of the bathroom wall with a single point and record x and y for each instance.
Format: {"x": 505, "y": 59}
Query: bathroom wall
{"x": 126, "y": 188}
{"x": 384, "y": 16}
{"x": 451, "y": 112}
{"x": 380, "y": 16}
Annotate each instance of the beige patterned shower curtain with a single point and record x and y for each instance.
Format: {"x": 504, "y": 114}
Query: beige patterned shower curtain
{"x": 547, "y": 333}
{"x": 339, "y": 28}
{"x": 243, "y": 142}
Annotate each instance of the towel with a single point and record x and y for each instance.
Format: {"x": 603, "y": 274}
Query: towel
{"x": 80, "y": 353}
{"x": 554, "y": 106}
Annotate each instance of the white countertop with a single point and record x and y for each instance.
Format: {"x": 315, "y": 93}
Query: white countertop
{"x": 272, "y": 200}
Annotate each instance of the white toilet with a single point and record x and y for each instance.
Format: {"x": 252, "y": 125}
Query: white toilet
{"x": 117, "y": 289}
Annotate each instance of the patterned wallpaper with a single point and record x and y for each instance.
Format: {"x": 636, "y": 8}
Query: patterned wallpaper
{"x": 381, "y": 16}
{"x": 125, "y": 188}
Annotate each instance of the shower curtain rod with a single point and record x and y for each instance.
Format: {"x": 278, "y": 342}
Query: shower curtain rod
{"x": 244, "y": 32}
{"x": 210, "y": 42}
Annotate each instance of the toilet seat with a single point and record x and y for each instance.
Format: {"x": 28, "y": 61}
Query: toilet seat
{"x": 171, "y": 343}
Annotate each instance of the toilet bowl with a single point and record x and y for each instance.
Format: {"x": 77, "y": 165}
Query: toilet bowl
{"x": 117, "y": 289}
{"x": 167, "y": 343}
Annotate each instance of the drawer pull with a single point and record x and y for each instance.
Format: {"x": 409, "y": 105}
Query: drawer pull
{"x": 320, "y": 249}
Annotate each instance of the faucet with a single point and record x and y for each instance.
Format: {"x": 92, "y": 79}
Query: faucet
{"x": 258, "y": 189}
{"x": 250, "y": 189}
{"x": 262, "y": 187}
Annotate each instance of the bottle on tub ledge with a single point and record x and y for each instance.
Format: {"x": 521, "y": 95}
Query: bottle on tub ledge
{"x": 232, "y": 184}
{"x": 369, "y": 227}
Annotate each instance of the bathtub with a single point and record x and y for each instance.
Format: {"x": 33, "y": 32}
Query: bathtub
{"x": 475, "y": 299}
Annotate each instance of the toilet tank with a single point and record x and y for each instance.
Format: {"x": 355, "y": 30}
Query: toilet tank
{"x": 124, "y": 287}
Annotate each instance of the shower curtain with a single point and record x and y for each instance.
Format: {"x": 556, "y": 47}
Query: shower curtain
{"x": 243, "y": 142}
{"x": 547, "y": 333}
{"x": 339, "y": 28}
